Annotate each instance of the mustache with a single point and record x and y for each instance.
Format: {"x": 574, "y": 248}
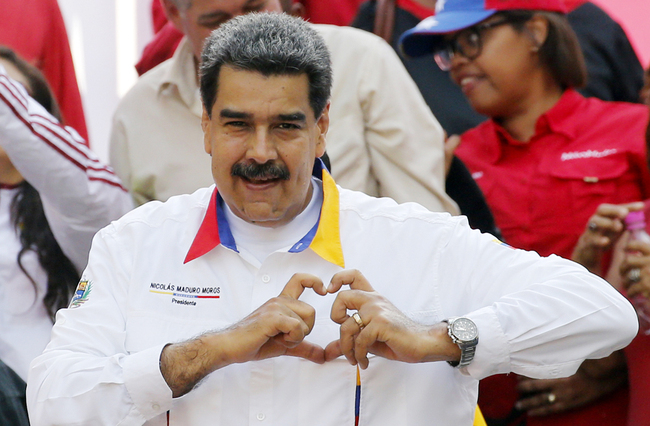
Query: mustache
{"x": 265, "y": 171}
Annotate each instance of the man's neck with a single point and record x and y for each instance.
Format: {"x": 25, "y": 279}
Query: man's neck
{"x": 261, "y": 241}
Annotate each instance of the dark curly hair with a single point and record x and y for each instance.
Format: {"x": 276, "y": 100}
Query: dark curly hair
{"x": 27, "y": 215}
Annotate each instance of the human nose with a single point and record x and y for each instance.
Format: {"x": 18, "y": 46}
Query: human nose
{"x": 457, "y": 60}
{"x": 261, "y": 148}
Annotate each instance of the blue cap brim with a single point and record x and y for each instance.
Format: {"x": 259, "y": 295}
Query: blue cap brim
{"x": 427, "y": 35}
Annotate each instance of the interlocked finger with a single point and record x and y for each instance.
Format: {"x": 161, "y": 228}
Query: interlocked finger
{"x": 357, "y": 318}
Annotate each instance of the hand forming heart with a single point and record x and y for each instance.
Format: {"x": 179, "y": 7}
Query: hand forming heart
{"x": 280, "y": 325}
{"x": 376, "y": 327}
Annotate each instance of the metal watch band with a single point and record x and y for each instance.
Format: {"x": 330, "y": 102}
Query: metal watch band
{"x": 467, "y": 348}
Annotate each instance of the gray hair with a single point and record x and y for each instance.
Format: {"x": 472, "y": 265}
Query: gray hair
{"x": 271, "y": 44}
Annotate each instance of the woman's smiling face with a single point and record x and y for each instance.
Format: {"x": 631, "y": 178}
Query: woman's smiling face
{"x": 497, "y": 82}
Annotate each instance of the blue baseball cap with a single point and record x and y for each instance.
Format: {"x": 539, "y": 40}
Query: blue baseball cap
{"x": 454, "y": 15}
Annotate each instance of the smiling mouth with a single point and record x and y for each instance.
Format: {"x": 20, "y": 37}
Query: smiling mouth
{"x": 468, "y": 83}
{"x": 468, "y": 80}
{"x": 261, "y": 180}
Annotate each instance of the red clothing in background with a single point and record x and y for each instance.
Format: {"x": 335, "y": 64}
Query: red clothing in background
{"x": 585, "y": 152}
{"x": 35, "y": 30}
{"x": 638, "y": 370}
{"x": 160, "y": 48}
{"x": 573, "y": 4}
{"x": 335, "y": 12}
{"x": 164, "y": 42}
{"x": 158, "y": 17}
{"x": 637, "y": 354}
{"x": 167, "y": 37}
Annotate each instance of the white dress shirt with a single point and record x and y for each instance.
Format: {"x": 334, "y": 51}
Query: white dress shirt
{"x": 168, "y": 272}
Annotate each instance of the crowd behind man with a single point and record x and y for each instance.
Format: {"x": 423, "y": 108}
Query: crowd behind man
{"x": 384, "y": 139}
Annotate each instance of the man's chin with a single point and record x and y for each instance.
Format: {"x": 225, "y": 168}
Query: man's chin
{"x": 263, "y": 216}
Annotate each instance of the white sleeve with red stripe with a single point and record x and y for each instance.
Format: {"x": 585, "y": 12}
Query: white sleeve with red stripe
{"x": 80, "y": 194}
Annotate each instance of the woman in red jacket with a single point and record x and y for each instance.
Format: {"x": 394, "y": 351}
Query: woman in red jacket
{"x": 545, "y": 160}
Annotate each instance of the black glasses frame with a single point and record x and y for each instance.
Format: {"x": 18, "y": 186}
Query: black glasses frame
{"x": 472, "y": 39}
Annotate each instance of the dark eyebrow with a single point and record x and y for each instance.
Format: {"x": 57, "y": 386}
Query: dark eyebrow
{"x": 296, "y": 116}
{"x": 228, "y": 113}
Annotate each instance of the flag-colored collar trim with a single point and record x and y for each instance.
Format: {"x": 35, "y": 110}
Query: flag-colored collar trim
{"x": 324, "y": 238}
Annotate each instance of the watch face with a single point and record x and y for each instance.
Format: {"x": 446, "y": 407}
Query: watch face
{"x": 464, "y": 329}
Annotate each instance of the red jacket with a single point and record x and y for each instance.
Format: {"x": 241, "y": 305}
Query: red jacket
{"x": 35, "y": 30}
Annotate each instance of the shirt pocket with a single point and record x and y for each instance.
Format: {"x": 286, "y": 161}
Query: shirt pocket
{"x": 578, "y": 187}
{"x": 574, "y": 191}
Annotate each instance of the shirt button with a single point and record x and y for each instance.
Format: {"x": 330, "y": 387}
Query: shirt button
{"x": 265, "y": 279}
{"x": 260, "y": 416}
{"x": 156, "y": 407}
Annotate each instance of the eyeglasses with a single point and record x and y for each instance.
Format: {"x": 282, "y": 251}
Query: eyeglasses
{"x": 468, "y": 43}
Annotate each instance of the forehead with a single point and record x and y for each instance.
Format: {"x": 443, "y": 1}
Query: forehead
{"x": 253, "y": 92}
{"x": 232, "y": 7}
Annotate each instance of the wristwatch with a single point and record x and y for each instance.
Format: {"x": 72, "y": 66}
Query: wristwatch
{"x": 464, "y": 333}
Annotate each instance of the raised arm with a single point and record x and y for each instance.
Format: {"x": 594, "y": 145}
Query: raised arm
{"x": 80, "y": 194}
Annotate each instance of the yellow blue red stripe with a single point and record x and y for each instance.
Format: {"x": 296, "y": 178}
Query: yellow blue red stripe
{"x": 357, "y": 400}
{"x": 324, "y": 238}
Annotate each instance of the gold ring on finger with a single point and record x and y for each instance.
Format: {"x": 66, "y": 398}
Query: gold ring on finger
{"x": 357, "y": 318}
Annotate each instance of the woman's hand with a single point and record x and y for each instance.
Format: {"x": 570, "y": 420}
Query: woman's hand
{"x": 635, "y": 269}
{"x": 594, "y": 379}
{"x": 603, "y": 230}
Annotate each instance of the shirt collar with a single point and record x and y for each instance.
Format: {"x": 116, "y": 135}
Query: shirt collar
{"x": 324, "y": 238}
{"x": 557, "y": 120}
{"x": 181, "y": 75}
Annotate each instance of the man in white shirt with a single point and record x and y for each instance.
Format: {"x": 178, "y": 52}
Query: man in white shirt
{"x": 211, "y": 308}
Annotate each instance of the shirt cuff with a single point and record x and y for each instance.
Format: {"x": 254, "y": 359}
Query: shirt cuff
{"x": 492, "y": 352}
{"x": 145, "y": 383}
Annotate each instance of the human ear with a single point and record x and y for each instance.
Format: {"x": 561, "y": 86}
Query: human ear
{"x": 537, "y": 31}
{"x": 173, "y": 14}
{"x": 322, "y": 125}
{"x": 206, "y": 125}
{"x": 297, "y": 10}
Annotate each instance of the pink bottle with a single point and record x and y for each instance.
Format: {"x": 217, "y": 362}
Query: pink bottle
{"x": 635, "y": 223}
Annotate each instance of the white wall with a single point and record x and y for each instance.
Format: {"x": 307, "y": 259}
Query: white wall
{"x": 106, "y": 38}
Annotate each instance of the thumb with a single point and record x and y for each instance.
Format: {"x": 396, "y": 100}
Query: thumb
{"x": 309, "y": 351}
